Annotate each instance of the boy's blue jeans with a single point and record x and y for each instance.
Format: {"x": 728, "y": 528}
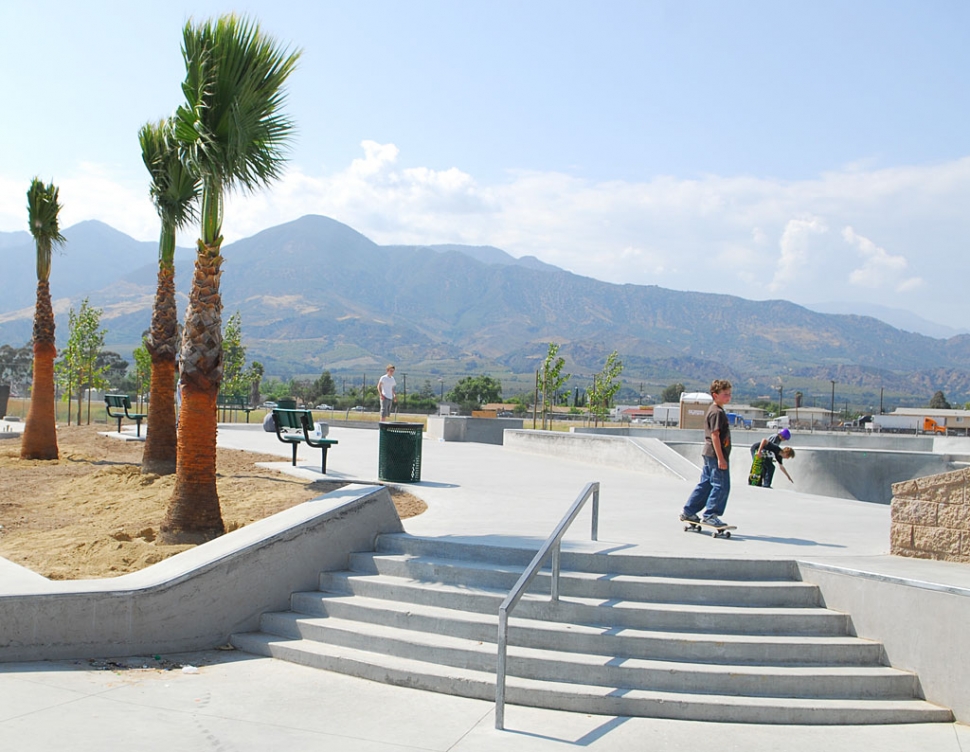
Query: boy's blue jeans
{"x": 711, "y": 493}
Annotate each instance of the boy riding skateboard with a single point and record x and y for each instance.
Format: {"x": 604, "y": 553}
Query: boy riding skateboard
{"x": 711, "y": 492}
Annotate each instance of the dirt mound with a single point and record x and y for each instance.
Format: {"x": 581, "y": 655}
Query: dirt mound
{"x": 93, "y": 514}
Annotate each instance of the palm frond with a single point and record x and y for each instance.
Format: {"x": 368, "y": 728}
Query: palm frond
{"x": 42, "y": 215}
{"x": 232, "y": 122}
{"x": 175, "y": 186}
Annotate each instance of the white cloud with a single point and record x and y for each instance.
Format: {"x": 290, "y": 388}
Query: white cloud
{"x": 795, "y": 250}
{"x": 879, "y": 267}
{"x": 715, "y": 234}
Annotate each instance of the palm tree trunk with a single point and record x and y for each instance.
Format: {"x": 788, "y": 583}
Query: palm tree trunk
{"x": 161, "y": 439}
{"x": 39, "y": 441}
{"x": 194, "y": 514}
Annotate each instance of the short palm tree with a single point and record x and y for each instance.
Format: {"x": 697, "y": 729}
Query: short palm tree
{"x": 234, "y": 133}
{"x": 175, "y": 191}
{"x": 39, "y": 441}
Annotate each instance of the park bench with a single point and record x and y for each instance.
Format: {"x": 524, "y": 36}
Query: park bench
{"x": 295, "y": 426}
{"x": 231, "y": 403}
{"x": 121, "y": 402}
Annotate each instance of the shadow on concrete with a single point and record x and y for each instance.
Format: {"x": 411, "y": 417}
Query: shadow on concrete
{"x": 789, "y": 541}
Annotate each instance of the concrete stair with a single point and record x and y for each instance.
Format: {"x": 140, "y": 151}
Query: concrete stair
{"x": 630, "y": 636}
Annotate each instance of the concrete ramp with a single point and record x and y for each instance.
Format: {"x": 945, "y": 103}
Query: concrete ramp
{"x": 649, "y": 456}
{"x": 661, "y": 453}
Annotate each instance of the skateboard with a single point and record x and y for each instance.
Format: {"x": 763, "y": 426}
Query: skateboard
{"x": 717, "y": 531}
{"x": 757, "y": 472}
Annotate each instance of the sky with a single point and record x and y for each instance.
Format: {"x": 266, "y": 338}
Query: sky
{"x": 809, "y": 151}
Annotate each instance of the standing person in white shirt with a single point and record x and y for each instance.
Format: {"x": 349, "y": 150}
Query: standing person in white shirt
{"x": 387, "y": 390}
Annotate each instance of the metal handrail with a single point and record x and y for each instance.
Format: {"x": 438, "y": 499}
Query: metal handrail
{"x": 551, "y": 547}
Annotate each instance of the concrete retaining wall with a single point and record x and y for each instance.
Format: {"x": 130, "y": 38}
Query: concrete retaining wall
{"x": 862, "y": 474}
{"x": 463, "y": 428}
{"x": 612, "y": 451}
{"x": 920, "y": 625}
{"x": 931, "y": 517}
{"x": 197, "y": 598}
{"x": 745, "y": 438}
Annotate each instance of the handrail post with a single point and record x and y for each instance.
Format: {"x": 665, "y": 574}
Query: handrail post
{"x": 551, "y": 549}
{"x": 595, "y": 534}
{"x": 554, "y": 586}
{"x": 503, "y": 634}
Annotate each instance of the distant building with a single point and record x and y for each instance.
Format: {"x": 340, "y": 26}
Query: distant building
{"x": 693, "y": 408}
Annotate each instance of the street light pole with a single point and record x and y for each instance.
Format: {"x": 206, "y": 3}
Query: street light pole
{"x": 832, "y": 407}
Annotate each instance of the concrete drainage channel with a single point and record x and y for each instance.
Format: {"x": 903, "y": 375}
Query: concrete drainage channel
{"x": 753, "y": 645}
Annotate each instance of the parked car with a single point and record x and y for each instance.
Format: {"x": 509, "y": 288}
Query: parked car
{"x": 505, "y": 414}
{"x": 323, "y": 407}
{"x": 357, "y": 408}
{"x": 269, "y": 405}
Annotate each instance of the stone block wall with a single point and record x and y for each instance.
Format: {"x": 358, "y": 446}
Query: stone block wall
{"x": 931, "y": 517}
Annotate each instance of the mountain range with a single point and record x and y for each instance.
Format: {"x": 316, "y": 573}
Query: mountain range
{"x": 315, "y": 294}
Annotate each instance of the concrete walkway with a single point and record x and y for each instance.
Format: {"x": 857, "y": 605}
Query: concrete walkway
{"x": 486, "y": 493}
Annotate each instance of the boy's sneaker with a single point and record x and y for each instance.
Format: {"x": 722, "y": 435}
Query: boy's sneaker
{"x": 689, "y": 518}
{"x": 715, "y": 520}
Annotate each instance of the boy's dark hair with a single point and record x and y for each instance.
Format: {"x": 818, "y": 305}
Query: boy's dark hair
{"x": 720, "y": 385}
{"x": 787, "y": 452}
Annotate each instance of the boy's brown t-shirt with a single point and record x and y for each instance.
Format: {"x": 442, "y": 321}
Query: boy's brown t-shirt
{"x": 716, "y": 420}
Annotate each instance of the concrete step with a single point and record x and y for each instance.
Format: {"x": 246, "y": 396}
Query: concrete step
{"x": 628, "y": 673}
{"x": 587, "y": 698}
{"x": 839, "y": 650}
{"x": 602, "y": 563}
{"x": 603, "y": 611}
{"x": 712, "y": 639}
{"x": 656, "y": 589}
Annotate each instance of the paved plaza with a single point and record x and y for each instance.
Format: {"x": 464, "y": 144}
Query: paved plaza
{"x": 478, "y": 492}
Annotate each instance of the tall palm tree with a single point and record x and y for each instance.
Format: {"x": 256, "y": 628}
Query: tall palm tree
{"x": 234, "y": 133}
{"x": 39, "y": 441}
{"x": 175, "y": 191}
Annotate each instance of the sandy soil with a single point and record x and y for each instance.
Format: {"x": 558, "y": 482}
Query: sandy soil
{"x": 93, "y": 514}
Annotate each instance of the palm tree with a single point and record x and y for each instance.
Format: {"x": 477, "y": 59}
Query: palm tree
{"x": 174, "y": 191}
{"x": 234, "y": 133}
{"x": 39, "y": 441}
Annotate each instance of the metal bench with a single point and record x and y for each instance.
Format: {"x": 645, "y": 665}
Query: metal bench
{"x": 121, "y": 402}
{"x": 294, "y": 426}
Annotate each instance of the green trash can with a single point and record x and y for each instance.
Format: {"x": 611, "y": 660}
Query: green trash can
{"x": 400, "y": 452}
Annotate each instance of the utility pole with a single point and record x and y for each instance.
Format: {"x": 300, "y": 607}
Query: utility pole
{"x": 832, "y": 407}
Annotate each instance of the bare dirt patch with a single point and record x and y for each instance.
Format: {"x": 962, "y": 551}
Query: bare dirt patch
{"x": 92, "y": 513}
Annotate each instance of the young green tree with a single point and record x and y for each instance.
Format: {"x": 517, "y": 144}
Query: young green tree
{"x": 235, "y": 380}
{"x": 234, "y": 132}
{"x": 79, "y": 368}
{"x": 938, "y": 402}
{"x": 551, "y": 377}
{"x": 605, "y": 386}
{"x": 143, "y": 369}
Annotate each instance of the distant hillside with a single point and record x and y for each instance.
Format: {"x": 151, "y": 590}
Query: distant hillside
{"x": 896, "y": 317}
{"x": 316, "y": 294}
